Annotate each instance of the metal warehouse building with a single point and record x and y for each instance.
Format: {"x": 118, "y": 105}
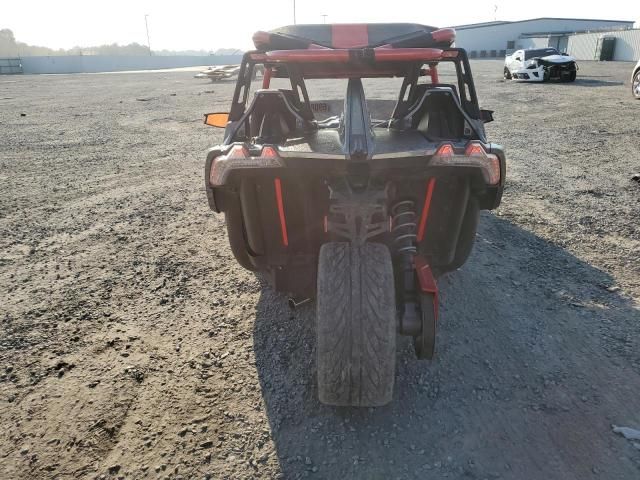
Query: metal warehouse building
{"x": 626, "y": 45}
{"x": 495, "y": 39}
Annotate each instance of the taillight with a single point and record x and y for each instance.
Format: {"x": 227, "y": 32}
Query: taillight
{"x": 474, "y": 156}
{"x": 474, "y": 149}
{"x": 446, "y": 150}
{"x": 239, "y": 157}
{"x": 238, "y": 151}
{"x": 269, "y": 152}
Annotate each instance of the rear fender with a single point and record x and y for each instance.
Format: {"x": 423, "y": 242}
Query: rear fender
{"x": 211, "y": 197}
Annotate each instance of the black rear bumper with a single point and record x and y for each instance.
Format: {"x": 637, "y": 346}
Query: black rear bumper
{"x": 391, "y": 167}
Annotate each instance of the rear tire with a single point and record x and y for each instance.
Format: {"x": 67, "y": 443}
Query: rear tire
{"x": 356, "y": 325}
{"x": 236, "y": 234}
{"x": 635, "y": 85}
{"x": 425, "y": 343}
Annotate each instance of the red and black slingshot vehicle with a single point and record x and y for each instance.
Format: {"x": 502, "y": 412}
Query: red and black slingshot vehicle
{"x": 360, "y": 213}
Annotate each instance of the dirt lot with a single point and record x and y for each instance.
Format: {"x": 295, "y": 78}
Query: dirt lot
{"x": 133, "y": 346}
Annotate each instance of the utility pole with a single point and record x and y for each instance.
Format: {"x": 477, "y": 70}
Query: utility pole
{"x": 324, "y": 18}
{"x": 146, "y": 25}
{"x": 294, "y": 12}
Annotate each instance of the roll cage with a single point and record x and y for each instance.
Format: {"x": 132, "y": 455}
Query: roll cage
{"x": 379, "y": 62}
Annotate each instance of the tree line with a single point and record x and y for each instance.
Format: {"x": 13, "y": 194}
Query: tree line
{"x": 10, "y": 47}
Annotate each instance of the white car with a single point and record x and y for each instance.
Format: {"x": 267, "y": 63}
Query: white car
{"x": 540, "y": 65}
{"x": 635, "y": 81}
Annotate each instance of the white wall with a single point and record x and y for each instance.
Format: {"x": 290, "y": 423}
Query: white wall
{"x": 532, "y": 42}
{"x": 112, "y": 63}
{"x": 583, "y": 46}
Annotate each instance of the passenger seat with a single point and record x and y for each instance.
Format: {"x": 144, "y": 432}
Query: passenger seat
{"x": 439, "y": 117}
{"x": 273, "y": 118}
{"x": 435, "y": 113}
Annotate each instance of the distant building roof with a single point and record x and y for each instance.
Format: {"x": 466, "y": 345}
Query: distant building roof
{"x": 504, "y": 22}
{"x": 569, "y": 32}
{"x": 481, "y": 24}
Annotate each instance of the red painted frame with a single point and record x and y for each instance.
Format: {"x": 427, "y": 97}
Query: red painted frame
{"x": 426, "y": 281}
{"x": 425, "y": 208}
{"x": 380, "y": 54}
{"x": 342, "y": 63}
{"x": 266, "y": 79}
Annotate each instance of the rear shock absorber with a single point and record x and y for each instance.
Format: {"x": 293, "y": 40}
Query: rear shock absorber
{"x": 403, "y": 228}
{"x": 403, "y": 216}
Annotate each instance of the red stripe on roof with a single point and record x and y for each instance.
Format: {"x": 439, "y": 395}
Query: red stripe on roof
{"x": 349, "y": 35}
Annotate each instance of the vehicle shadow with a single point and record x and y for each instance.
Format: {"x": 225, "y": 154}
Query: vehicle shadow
{"x": 535, "y": 360}
{"x": 579, "y": 82}
{"x": 590, "y": 82}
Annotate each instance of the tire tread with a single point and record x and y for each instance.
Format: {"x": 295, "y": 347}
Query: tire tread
{"x": 356, "y": 325}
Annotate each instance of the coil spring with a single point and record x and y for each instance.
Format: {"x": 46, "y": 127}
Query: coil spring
{"x": 403, "y": 217}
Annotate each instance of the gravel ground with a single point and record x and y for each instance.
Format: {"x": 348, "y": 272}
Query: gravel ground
{"x": 133, "y": 346}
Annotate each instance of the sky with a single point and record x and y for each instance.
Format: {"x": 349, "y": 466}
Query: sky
{"x": 213, "y": 24}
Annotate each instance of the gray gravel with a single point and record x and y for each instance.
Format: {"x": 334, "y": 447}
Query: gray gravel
{"x": 133, "y": 346}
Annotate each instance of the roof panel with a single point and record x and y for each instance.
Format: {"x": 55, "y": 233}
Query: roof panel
{"x": 400, "y": 35}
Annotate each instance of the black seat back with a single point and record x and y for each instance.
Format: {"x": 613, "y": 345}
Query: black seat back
{"x": 273, "y": 117}
{"x": 439, "y": 117}
{"x": 436, "y": 113}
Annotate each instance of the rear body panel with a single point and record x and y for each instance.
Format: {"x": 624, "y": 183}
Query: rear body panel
{"x": 280, "y": 209}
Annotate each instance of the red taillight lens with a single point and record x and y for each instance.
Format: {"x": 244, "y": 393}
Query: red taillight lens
{"x": 269, "y": 152}
{"x": 474, "y": 149}
{"x": 445, "y": 150}
{"x": 239, "y": 157}
{"x": 237, "y": 151}
{"x": 474, "y": 156}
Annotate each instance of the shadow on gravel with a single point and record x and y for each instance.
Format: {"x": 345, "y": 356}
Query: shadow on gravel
{"x": 535, "y": 360}
{"x": 589, "y": 82}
